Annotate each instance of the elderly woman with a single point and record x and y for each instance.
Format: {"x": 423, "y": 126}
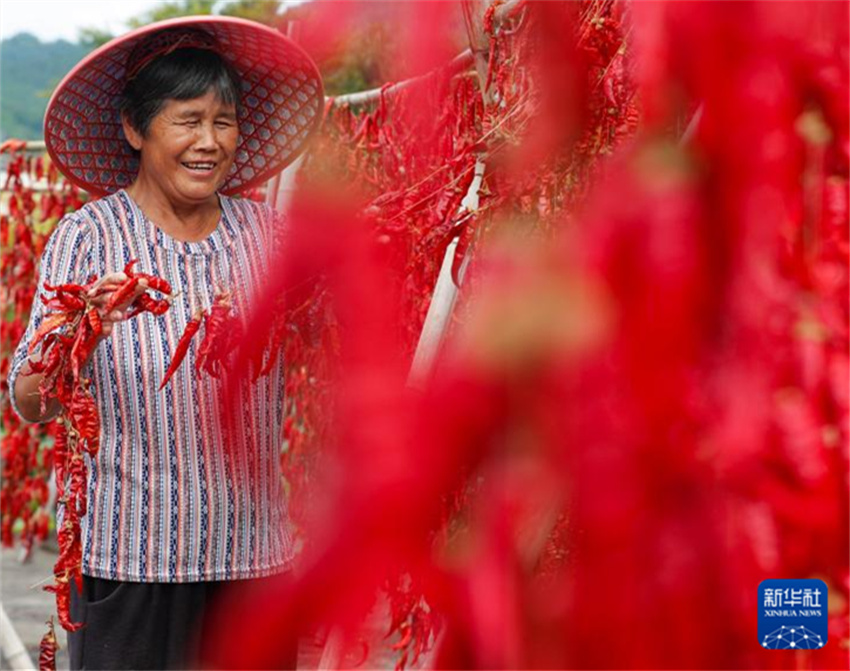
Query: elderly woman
{"x": 161, "y": 124}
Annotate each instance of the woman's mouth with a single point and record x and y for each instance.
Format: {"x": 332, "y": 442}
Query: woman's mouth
{"x": 200, "y": 167}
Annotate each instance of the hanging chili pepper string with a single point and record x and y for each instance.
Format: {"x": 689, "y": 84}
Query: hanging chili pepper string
{"x": 221, "y": 331}
{"x": 63, "y": 357}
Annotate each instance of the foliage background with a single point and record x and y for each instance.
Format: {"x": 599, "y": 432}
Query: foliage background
{"x": 30, "y": 69}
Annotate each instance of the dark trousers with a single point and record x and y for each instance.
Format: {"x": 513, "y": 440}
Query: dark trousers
{"x": 134, "y": 625}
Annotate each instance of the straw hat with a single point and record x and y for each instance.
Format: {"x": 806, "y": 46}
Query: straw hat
{"x": 282, "y": 101}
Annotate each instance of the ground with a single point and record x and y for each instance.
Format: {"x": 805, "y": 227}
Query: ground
{"x": 28, "y": 607}
{"x": 27, "y": 604}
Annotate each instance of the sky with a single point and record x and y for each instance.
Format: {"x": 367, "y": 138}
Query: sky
{"x": 62, "y": 19}
{"x": 57, "y": 19}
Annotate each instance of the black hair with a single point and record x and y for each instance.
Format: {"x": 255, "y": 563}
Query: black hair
{"x": 182, "y": 74}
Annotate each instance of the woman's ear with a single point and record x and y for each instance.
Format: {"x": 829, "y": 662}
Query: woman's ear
{"x": 133, "y": 136}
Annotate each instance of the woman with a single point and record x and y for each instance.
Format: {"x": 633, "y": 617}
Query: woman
{"x": 162, "y": 123}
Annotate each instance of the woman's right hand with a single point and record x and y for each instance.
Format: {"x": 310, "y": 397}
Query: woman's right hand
{"x": 100, "y": 294}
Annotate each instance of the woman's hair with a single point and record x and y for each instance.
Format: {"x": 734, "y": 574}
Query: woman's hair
{"x": 182, "y": 74}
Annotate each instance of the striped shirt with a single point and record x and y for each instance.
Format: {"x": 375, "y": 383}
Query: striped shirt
{"x": 168, "y": 500}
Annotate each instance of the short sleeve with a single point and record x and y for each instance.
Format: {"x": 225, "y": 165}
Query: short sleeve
{"x": 67, "y": 258}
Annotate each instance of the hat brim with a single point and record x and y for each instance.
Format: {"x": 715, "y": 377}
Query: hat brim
{"x": 282, "y": 103}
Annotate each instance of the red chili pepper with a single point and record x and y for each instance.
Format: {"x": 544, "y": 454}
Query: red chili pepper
{"x": 55, "y": 358}
{"x": 50, "y": 363}
{"x": 68, "y": 565}
{"x": 183, "y": 346}
{"x": 69, "y": 288}
{"x": 49, "y": 360}
{"x": 70, "y": 302}
{"x": 217, "y": 327}
{"x": 80, "y": 348}
{"x": 62, "y": 590}
{"x": 78, "y": 500}
{"x": 85, "y": 419}
{"x": 51, "y": 322}
{"x": 60, "y": 459}
{"x": 121, "y": 294}
{"x": 51, "y": 303}
{"x": 406, "y": 636}
{"x": 63, "y": 301}
{"x": 93, "y": 317}
{"x": 47, "y": 649}
{"x": 145, "y": 303}
{"x": 155, "y": 283}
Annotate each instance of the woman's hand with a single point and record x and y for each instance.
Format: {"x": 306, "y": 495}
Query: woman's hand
{"x": 102, "y": 291}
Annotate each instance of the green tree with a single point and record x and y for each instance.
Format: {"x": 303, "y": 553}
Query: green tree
{"x": 93, "y": 37}
{"x": 29, "y": 71}
{"x": 172, "y": 10}
{"x": 262, "y": 11}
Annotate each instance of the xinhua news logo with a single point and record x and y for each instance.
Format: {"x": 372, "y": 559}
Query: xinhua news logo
{"x": 792, "y": 614}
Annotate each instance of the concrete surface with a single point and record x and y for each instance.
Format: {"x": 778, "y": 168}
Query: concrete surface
{"x": 27, "y": 604}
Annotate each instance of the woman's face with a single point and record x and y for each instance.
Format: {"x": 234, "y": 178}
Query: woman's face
{"x": 189, "y": 149}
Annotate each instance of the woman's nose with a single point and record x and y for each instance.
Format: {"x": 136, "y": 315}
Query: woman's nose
{"x": 206, "y": 137}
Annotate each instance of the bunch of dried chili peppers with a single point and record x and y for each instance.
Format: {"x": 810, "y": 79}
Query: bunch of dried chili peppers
{"x": 64, "y": 341}
{"x": 24, "y": 229}
{"x": 221, "y": 333}
{"x": 412, "y": 155}
{"x": 645, "y": 410}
